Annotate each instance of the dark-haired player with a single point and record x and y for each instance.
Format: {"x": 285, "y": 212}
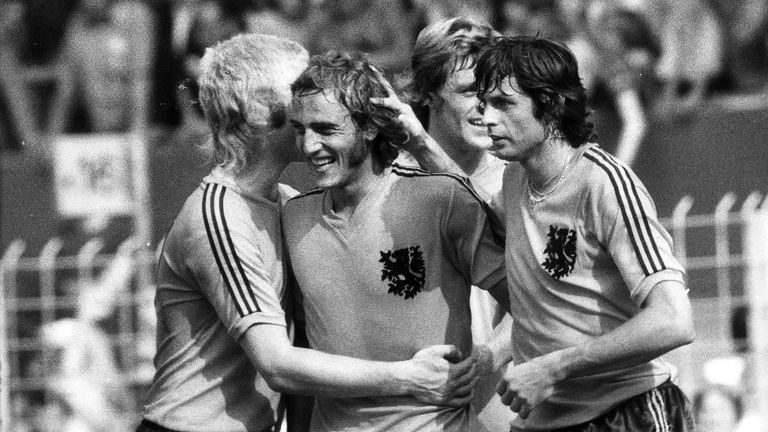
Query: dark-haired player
{"x": 595, "y": 292}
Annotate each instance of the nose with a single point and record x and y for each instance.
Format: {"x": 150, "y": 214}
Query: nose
{"x": 490, "y": 116}
{"x": 310, "y": 142}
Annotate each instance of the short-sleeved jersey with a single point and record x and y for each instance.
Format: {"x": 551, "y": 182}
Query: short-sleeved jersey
{"x": 486, "y": 311}
{"x": 390, "y": 280}
{"x": 579, "y": 264}
{"x": 221, "y": 272}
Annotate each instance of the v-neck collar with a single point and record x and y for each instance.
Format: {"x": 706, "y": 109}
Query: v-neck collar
{"x": 338, "y": 219}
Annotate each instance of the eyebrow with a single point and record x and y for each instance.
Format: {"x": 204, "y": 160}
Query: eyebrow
{"x": 322, "y": 124}
{"x": 467, "y": 87}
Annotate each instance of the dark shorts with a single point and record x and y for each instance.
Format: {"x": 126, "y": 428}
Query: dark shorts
{"x": 148, "y": 426}
{"x": 663, "y": 409}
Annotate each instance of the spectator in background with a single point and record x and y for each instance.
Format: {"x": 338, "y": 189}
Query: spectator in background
{"x": 530, "y": 17}
{"x": 107, "y": 46}
{"x": 16, "y": 123}
{"x": 729, "y": 396}
{"x": 441, "y": 10}
{"x": 383, "y": 30}
{"x": 692, "y": 54}
{"x": 197, "y": 25}
{"x": 612, "y": 60}
{"x": 745, "y": 23}
{"x": 275, "y": 18}
{"x": 717, "y": 409}
{"x": 85, "y": 391}
{"x": 612, "y": 63}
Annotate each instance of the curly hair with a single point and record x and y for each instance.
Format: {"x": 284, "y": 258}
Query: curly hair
{"x": 354, "y": 81}
{"x": 244, "y": 93}
{"x": 547, "y": 72}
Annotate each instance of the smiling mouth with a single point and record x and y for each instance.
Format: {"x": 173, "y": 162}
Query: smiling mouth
{"x": 320, "y": 163}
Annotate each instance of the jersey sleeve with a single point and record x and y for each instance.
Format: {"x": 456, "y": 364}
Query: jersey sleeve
{"x": 232, "y": 271}
{"x": 479, "y": 252}
{"x": 627, "y": 226}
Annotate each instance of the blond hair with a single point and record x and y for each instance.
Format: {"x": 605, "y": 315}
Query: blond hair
{"x": 244, "y": 91}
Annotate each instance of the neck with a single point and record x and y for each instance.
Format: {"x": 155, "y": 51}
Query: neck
{"x": 260, "y": 179}
{"x": 470, "y": 160}
{"x": 547, "y": 162}
{"x": 346, "y": 198}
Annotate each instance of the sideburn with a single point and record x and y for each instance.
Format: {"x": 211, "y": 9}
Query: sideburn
{"x": 359, "y": 153}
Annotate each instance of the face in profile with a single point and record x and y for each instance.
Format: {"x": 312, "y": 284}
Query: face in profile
{"x": 508, "y": 113}
{"x": 455, "y": 112}
{"x": 331, "y": 143}
{"x": 283, "y": 139}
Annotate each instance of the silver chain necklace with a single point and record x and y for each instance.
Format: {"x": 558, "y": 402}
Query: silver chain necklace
{"x": 535, "y": 196}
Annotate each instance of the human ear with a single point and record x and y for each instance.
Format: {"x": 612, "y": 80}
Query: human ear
{"x": 370, "y": 131}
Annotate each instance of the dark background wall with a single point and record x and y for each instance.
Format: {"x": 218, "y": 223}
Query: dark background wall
{"x": 707, "y": 154}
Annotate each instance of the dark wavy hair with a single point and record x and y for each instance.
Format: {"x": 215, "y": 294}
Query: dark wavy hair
{"x": 548, "y": 73}
{"x": 354, "y": 80}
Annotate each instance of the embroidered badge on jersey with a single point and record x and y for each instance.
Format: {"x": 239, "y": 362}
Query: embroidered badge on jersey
{"x": 560, "y": 252}
{"x": 404, "y": 269}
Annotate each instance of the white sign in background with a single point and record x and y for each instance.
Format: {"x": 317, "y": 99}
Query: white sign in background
{"x": 93, "y": 175}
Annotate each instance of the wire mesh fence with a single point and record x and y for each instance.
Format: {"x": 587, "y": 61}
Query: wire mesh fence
{"x": 78, "y": 337}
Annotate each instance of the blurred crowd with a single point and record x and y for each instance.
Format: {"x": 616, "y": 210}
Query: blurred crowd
{"x": 70, "y": 66}
{"x": 640, "y": 59}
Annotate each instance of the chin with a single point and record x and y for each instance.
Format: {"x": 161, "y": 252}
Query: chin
{"x": 328, "y": 181}
{"x": 324, "y": 184}
{"x": 504, "y": 156}
{"x": 479, "y": 144}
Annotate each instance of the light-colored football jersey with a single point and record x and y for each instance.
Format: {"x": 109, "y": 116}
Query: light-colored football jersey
{"x": 221, "y": 271}
{"x": 390, "y": 280}
{"x": 579, "y": 264}
{"x": 486, "y": 311}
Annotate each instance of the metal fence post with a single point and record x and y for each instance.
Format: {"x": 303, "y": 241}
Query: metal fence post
{"x": 755, "y": 239}
{"x": 7, "y": 275}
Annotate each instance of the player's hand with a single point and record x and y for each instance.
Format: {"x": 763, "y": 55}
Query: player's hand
{"x": 526, "y": 385}
{"x": 404, "y": 116}
{"x": 440, "y": 377}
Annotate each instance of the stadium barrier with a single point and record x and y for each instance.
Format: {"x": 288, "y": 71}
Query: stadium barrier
{"x": 79, "y": 330}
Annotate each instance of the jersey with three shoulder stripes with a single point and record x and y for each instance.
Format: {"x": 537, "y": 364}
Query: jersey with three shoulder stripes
{"x": 388, "y": 279}
{"x": 580, "y": 264}
{"x": 221, "y": 272}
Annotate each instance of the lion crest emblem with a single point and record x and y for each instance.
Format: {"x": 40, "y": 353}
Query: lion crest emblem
{"x": 560, "y": 252}
{"x": 404, "y": 271}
